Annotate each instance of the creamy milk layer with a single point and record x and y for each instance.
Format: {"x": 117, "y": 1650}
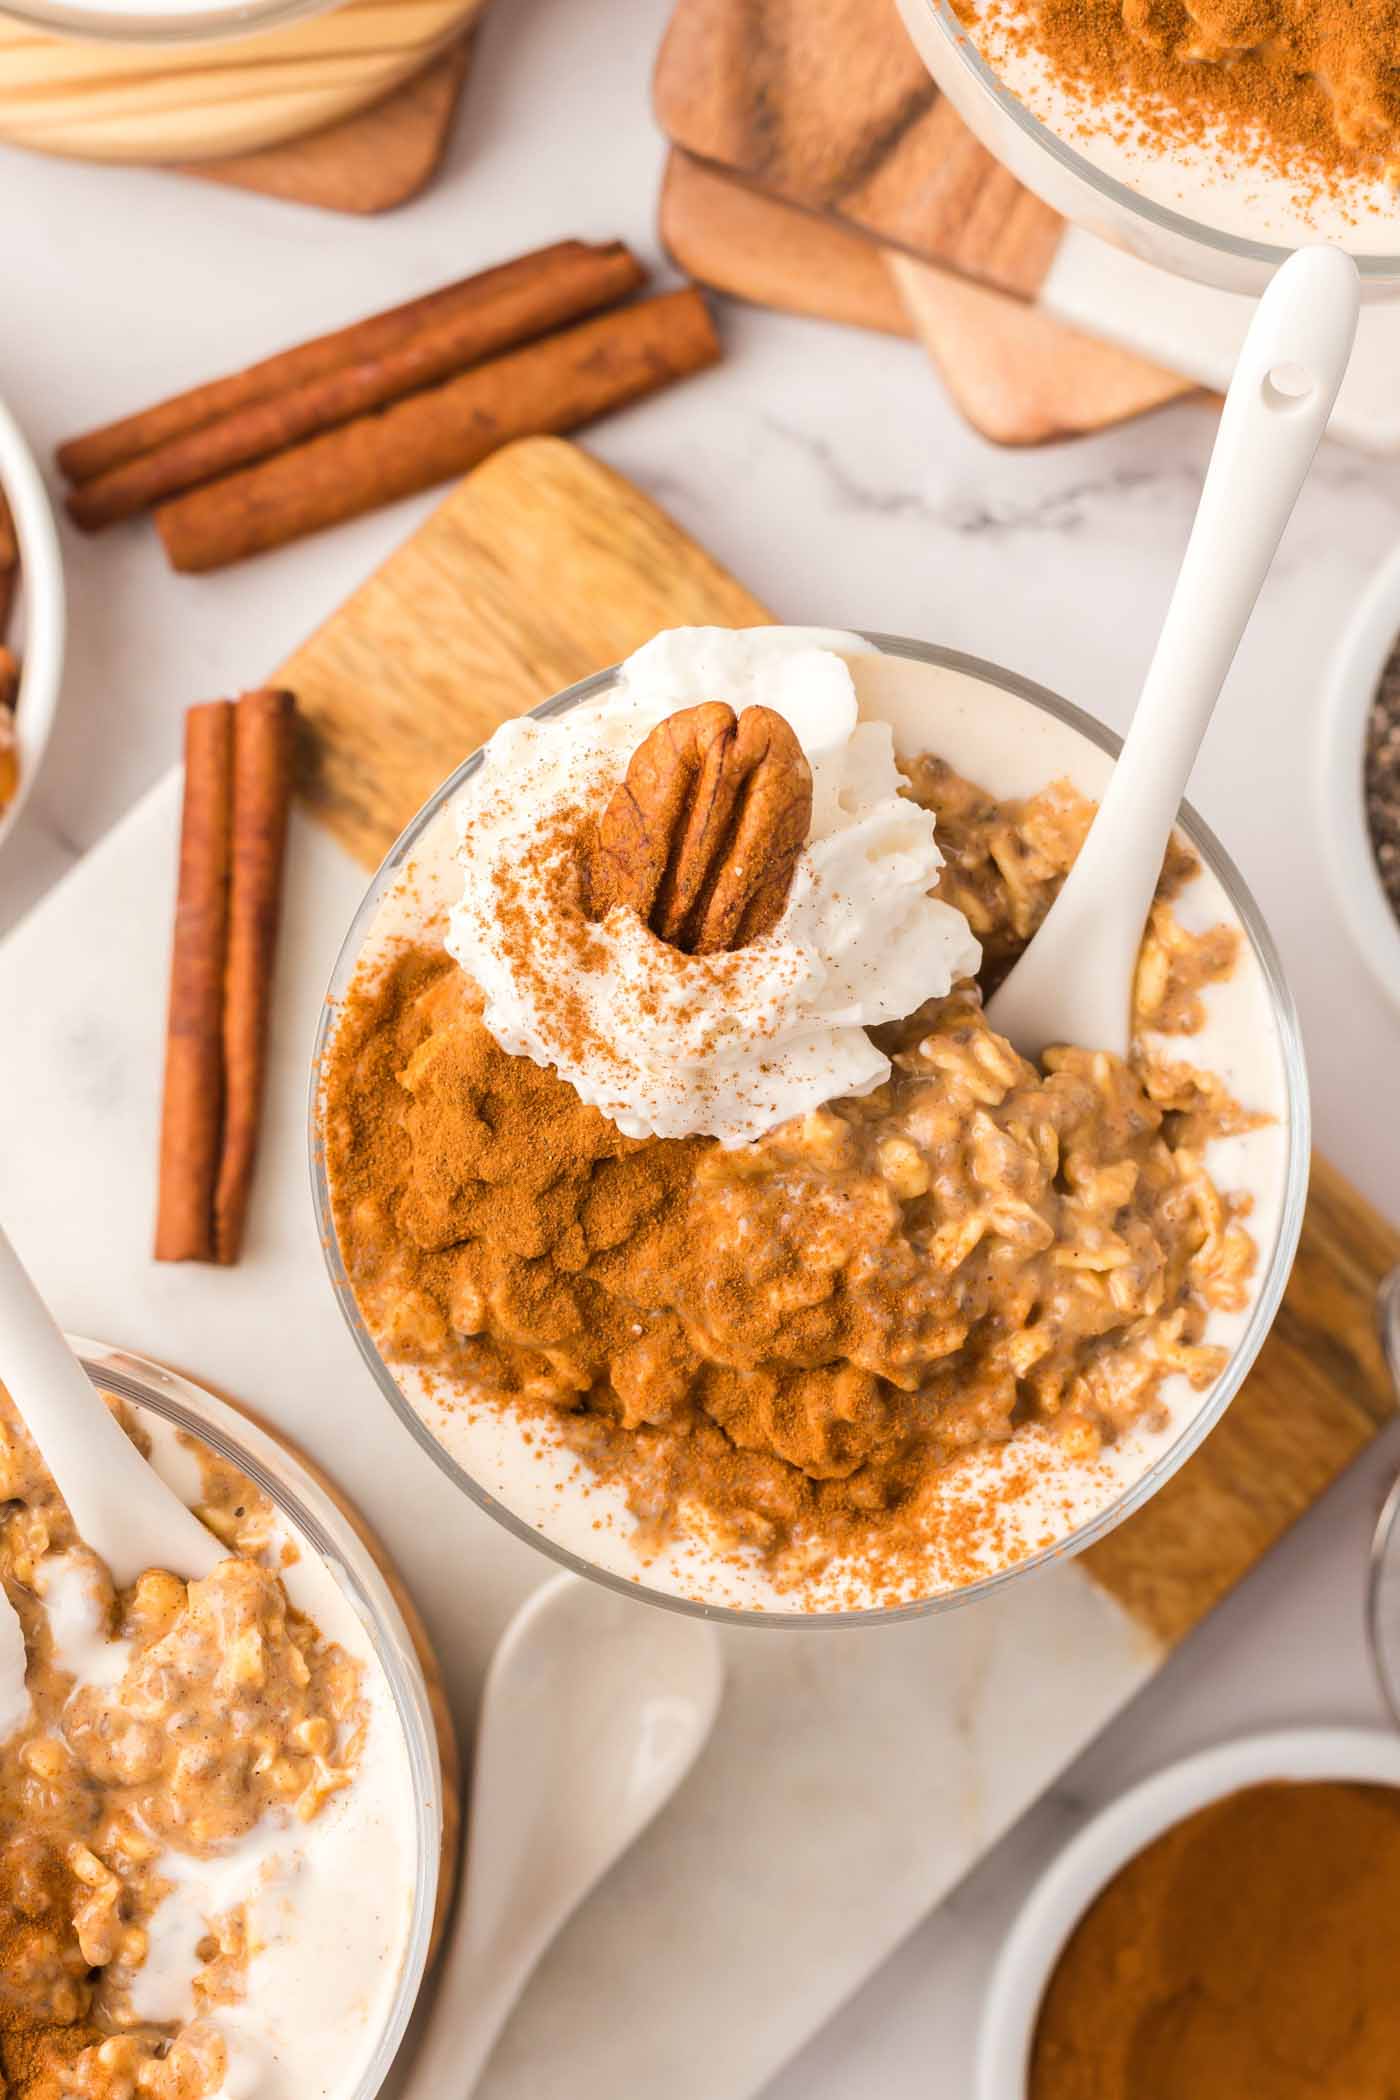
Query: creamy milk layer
{"x": 329, "y": 1901}
{"x": 992, "y": 736}
{"x": 671, "y": 1045}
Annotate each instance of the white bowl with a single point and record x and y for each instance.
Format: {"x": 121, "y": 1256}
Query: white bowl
{"x": 1090, "y": 1861}
{"x": 39, "y": 632}
{"x": 1362, "y": 655}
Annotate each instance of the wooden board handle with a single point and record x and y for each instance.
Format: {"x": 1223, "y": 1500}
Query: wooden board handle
{"x": 540, "y": 568}
{"x": 1317, "y": 1395}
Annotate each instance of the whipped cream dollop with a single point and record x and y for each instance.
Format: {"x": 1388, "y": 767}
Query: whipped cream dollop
{"x": 725, "y": 1046}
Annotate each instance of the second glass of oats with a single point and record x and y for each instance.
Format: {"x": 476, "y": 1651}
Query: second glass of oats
{"x": 227, "y": 1809}
{"x": 889, "y": 1345}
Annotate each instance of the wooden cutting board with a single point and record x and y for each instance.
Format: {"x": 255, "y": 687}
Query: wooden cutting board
{"x": 827, "y": 105}
{"x": 1018, "y": 376}
{"x": 367, "y": 163}
{"x": 456, "y": 634}
{"x": 129, "y": 102}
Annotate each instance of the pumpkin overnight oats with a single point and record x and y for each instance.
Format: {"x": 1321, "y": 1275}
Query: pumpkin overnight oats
{"x": 206, "y": 1823}
{"x": 1261, "y": 121}
{"x": 672, "y": 1155}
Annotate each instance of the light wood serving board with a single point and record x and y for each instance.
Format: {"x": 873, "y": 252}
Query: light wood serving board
{"x": 126, "y": 102}
{"x": 544, "y": 566}
{"x": 1016, "y": 374}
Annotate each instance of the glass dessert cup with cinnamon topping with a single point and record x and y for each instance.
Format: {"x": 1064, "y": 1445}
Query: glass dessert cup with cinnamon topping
{"x": 1227, "y": 234}
{"x": 1014, "y": 738}
{"x": 311, "y": 1974}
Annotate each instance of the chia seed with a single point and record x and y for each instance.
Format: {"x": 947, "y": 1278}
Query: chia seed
{"x": 1383, "y": 779}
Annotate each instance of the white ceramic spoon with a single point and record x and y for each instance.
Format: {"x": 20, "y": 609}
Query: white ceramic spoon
{"x": 594, "y": 1710}
{"x": 121, "y": 1506}
{"x": 1074, "y": 982}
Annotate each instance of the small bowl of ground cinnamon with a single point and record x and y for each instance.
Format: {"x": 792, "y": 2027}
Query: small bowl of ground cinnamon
{"x": 1358, "y": 777}
{"x": 1229, "y": 1927}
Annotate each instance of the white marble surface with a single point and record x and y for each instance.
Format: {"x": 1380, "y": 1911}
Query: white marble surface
{"x": 828, "y": 471}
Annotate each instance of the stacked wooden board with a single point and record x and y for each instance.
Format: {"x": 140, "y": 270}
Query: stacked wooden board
{"x": 817, "y": 168}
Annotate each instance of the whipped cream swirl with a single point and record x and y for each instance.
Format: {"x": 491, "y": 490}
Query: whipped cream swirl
{"x": 725, "y": 1046}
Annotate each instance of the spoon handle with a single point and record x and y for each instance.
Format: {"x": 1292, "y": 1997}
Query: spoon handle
{"x": 1285, "y": 383}
{"x": 121, "y": 1508}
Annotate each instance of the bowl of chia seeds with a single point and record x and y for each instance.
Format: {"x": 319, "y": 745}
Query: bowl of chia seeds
{"x": 1359, "y": 777}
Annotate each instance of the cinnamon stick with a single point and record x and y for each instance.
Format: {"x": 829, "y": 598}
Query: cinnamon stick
{"x": 238, "y": 772}
{"x": 520, "y": 305}
{"x": 191, "y": 1131}
{"x": 559, "y": 270}
{"x": 551, "y": 386}
{"x": 262, "y": 794}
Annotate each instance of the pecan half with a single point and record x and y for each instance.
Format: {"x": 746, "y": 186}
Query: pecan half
{"x": 702, "y": 836}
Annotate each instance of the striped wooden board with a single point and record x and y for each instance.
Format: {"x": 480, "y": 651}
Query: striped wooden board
{"x": 1018, "y": 376}
{"x": 456, "y": 633}
{"x": 827, "y": 105}
{"x": 128, "y": 102}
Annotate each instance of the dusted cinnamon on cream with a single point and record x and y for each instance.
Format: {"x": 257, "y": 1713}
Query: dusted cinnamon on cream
{"x": 724, "y": 1044}
{"x": 1275, "y": 122}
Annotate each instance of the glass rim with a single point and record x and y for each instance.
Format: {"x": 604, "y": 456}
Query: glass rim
{"x": 1271, "y": 254}
{"x": 1297, "y": 1128}
{"x": 225, "y": 23}
{"x": 1385, "y": 1539}
{"x": 302, "y": 1499}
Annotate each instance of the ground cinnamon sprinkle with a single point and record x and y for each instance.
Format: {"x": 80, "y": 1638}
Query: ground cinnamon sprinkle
{"x": 556, "y": 946}
{"x": 790, "y": 1348}
{"x": 1307, "y": 88}
{"x": 1251, "y": 1951}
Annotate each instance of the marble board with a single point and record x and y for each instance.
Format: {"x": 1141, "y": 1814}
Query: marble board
{"x": 852, "y": 1779}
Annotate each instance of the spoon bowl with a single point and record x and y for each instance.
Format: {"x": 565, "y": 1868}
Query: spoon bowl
{"x": 595, "y": 1708}
{"x": 1074, "y": 982}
